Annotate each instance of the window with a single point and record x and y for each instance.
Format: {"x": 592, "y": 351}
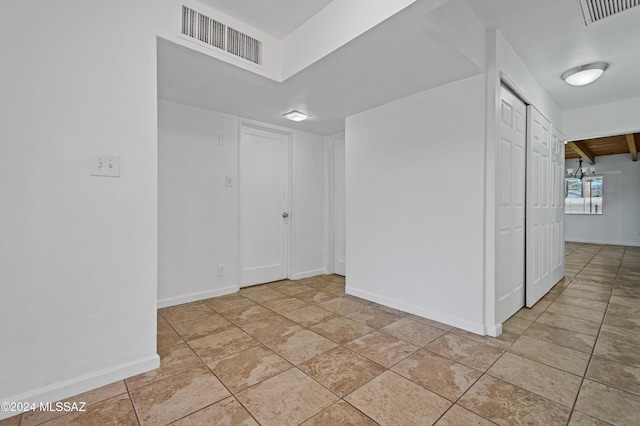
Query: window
{"x": 583, "y": 196}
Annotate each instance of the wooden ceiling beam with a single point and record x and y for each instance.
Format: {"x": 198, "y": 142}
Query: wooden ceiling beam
{"x": 583, "y": 151}
{"x": 633, "y": 149}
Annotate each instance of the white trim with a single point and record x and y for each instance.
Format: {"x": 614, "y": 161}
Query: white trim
{"x": 242, "y": 123}
{"x": 308, "y": 274}
{"x": 200, "y": 295}
{"x": 77, "y": 385}
{"x": 494, "y": 330}
{"x": 477, "y": 328}
{"x": 611, "y": 243}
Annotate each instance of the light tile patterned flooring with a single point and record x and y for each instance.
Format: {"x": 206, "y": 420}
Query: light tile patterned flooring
{"x": 303, "y": 352}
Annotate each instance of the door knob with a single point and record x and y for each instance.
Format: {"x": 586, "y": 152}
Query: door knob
{"x": 285, "y": 215}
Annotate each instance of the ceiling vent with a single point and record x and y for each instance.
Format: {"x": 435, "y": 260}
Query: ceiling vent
{"x": 595, "y": 10}
{"x": 204, "y": 29}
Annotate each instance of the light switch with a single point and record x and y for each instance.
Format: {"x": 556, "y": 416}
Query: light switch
{"x": 105, "y": 165}
{"x": 228, "y": 181}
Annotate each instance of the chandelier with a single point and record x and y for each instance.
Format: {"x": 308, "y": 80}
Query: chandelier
{"x": 581, "y": 173}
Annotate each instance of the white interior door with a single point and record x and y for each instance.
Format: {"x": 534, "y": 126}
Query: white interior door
{"x": 510, "y": 243}
{"x": 540, "y": 220}
{"x": 339, "y": 247}
{"x": 264, "y": 206}
{"x": 557, "y": 206}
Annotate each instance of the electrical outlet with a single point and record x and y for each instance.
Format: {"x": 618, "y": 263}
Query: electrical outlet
{"x": 221, "y": 270}
{"x": 105, "y": 165}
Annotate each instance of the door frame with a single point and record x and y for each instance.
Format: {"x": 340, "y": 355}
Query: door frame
{"x": 242, "y": 123}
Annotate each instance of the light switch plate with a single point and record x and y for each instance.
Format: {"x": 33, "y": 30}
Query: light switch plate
{"x": 105, "y": 165}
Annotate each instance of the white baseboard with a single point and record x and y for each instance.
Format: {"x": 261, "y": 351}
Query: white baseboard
{"x": 308, "y": 274}
{"x": 192, "y": 297}
{"x": 494, "y": 330}
{"x": 77, "y": 385}
{"x": 476, "y": 328}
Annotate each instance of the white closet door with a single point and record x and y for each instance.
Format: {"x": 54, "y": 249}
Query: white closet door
{"x": 540, "y": 220}
{"x": 339, "y": 246}
{"x": 510, "y": 288}
{"x": 557, "y": 206}
{"x": 264, "y": 206}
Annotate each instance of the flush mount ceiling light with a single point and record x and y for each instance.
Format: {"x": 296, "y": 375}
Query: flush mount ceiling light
{"x": 585, "y": 74}
{"x": 296, "y": 116}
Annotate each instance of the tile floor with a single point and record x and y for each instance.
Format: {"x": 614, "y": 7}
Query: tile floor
{"x": 303, "y": 352}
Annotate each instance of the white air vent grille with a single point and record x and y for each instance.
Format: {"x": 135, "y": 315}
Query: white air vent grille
{"x": 242, "y": 45}
{"x": 595, "y": 10}
{"x": 200, "y": 27}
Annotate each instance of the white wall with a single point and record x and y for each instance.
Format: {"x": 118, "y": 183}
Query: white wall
{"x": 198, "y": 214}
{"x": 614, "y": 118}
{"x": 78, "y": 260}
{"x": 618, "y": 223}
{"x": 414, "y": 203}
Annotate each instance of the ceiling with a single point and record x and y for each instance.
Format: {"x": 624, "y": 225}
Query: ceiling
{"x": 278, "y": 18}
{"x": 389, "y": 61}
{"x": 590, "y": 149}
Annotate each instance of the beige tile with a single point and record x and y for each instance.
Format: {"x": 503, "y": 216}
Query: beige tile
{"x": 341, "y": 330}
{"x": 559, "y": 336}
{"x": 577, "y": 325}
{"x": 171, "y": 399}
{"x": 227, "y": 412}
{"x": 246, "y": 368}
{"x": 341, "y": 370}
{"x": 575, "y": 311}
{"x": 592, "y": 288}
{"x": 392, "y": 399}
{"x": 11, "y": 421}
{"x": 314, "y": 296}
{"x": 516, "y": 325}
{"x": 301, "y": 345}
{"x": 432, "y": 323}
{"x": 248, "y": 314}
{"x": 625, "y": 322}
{"x": 340, "y": 413}
{"x": 91, "y": 397}
{"x": 630, "y": 302}
{"x": 166, "y": 335}
{"x": 271, "y": 328}
{"x": 335, "y": 289}
{"x": 553, "y": 355}
{"x": 115, "y": 411}
{"x": 620, "y": 334}
{"x": 286, "y": 304}
{"x": 201, "y": 327}
{"x": 438, "y": 374}
{"x": 581, "y": 302}
{"x": 625, "y": 311}
{"x": 549, "y": 382}
{"x": 309, "y": 316}
{"x": 585, "y": 294}
{"x": 620, "y": 376}
{"x": 504, "y": 341}
{"x": 506, "y": 404}
{"x": 228, "y": 303}
{"x": 286, "y": 399}
{"x": 608, "y": 404}
{"x": 534, "y": 312}
{"x": 414, "y": 332}
{"x": 291, "y": 288}
{"x": 466, "y": 351}
{"x": 458, "y": 416}
{"x": 580, "y": 419}
{"x": 173, "y": 360}
{"x": 372, "y": 317}
{"x": 221, "y": 344}
{"x": 341, "y": 305}
{"x": 261, "y": 295}
{"x": 616, "y": 351}
{"x": 187, "y": 312}
{"x": 382, "y": 348}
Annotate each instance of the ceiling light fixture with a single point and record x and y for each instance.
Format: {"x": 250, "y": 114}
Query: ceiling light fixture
{"x": 581, "y": 174}
{"x": 296, "y": 116}
{"x": 585, "y": 74}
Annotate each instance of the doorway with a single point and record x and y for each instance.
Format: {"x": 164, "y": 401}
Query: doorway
{"x": 264, "y": 205}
